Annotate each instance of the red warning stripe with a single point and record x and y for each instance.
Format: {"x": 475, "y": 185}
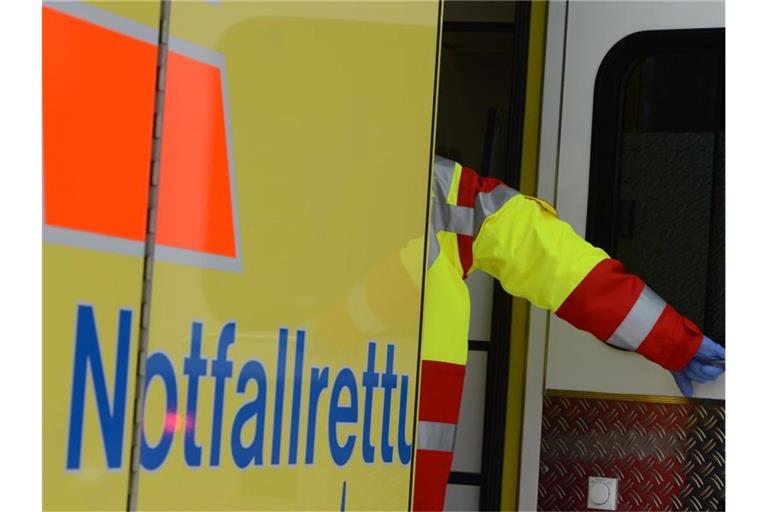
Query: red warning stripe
{"x": 441, "y": 386}
{"x": 431, "y": 479}
{"x": 98, "y": 104}
{"x": 602, "y": 299}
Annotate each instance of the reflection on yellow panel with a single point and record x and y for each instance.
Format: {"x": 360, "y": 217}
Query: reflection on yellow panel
{"x": 98, "y": 101}
{"x": 285, "y": 308}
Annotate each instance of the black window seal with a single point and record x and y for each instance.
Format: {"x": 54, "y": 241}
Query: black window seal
{"x": 607, "y": 116}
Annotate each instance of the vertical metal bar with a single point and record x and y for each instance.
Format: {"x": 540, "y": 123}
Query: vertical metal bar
{"x": 539, "y": 321}
{"x": 149, "y": 254}
{"x": 497, "y": 370}
{"x": 521, "y": 309}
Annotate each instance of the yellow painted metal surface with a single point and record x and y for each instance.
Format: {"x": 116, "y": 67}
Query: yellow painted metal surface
{"x": 328, "y": 120}
{"x": 146, "y": 12}
{"x": 91, "y": 293}
{"x": 73, "y": 279}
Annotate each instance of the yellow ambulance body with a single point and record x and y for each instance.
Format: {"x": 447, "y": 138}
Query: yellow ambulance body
{"x": 216, "y": 187}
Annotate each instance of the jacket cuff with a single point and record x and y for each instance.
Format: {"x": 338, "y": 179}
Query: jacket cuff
{"x": 672, "y": 342}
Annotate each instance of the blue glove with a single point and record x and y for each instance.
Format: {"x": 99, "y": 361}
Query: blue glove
{"x": 707, "y": 365}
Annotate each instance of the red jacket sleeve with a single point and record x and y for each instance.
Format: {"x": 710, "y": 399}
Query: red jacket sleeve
{"x": 621, "y": 310}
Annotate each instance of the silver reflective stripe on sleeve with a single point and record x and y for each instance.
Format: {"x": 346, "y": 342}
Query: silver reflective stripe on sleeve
{"x": 461, "y": 220}
{"x": 442, "y": 178}
{"x": 443, "y": 175}
{"x": 436, "y": 436}
{"x": 639, "y": 322}
{"x": 454, "y": 219}
{"x": 488, "y": 203}
{"x": 467, "y": 221}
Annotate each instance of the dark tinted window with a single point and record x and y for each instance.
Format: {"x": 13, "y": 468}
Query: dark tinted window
{"x": 657, "y": 177}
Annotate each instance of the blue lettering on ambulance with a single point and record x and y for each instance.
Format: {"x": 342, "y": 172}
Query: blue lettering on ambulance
{"x": 318, "y": 382}
{"x": 370, "y": 382}
{"x": 221, "y": 369}
{"x": 159, "y": 365}
{"x": 111, "y": 419}
{"x": 194, "y": 368}
{"x": 388, "y": 382}
{"x": 340, "y": 453}
{"x": 403, "y": 448}
{"x": 160, "y": 371}
{"x": 256, "y": 408}
{"x": 279, "y": 393}
{"x": 298, "y": 371}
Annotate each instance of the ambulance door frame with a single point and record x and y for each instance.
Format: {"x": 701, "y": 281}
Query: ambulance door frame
{"x": 498, "y": 348}
{"x": 497, "y": 365}
{"x": 557, "y": 123}
{"x": 538, "y": 321}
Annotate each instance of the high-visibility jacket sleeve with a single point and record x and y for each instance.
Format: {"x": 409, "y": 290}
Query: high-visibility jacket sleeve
{"x": 537, "y": 256}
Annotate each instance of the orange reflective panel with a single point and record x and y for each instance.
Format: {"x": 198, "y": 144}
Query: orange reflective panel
{"x": 195, "y": 209}
{"x": 97, "y": 126}
{"x": 98, "y": 106}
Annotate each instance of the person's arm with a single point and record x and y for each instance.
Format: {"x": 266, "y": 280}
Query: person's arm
{"x": 535, "y": 255}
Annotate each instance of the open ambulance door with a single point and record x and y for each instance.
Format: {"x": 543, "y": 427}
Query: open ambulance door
{"x": 236, "y": 198}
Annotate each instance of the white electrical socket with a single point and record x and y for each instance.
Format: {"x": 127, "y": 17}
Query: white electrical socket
{"x": 601, "y": 493}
